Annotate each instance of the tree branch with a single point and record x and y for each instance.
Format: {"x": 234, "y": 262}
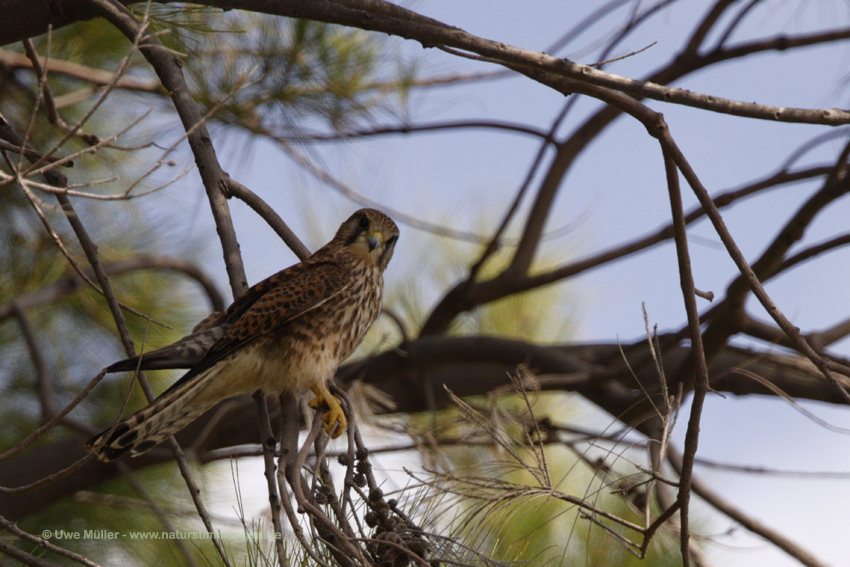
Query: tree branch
{"x": 97, "y": 77}
{"x": 700, "y": 371}
{"x": 168, "y": 68}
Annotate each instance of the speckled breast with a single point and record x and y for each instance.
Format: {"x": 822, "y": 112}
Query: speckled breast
{"x": 311, "y": 347}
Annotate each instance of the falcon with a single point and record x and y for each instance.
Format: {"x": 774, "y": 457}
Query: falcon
{"x": 287, "y": 333}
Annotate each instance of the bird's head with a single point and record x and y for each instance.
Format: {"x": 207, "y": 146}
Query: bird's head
{"x": 370, "y": 235}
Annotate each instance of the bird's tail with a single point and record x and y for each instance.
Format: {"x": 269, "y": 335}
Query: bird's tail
{"x": 142, "y": 431}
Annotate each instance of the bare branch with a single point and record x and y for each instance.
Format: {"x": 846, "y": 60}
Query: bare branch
{"x": 43, "y": 385}
{"x": 171, "y": 76}
{"x": 370, "y": 15}
{"x": 410, "y": 128}
{"x": 269, "y": 215}
{"x": 92, "y": 75}
{"x": 157, "y": 510}
{"x": 700, "y": 371}
{"x": 269, "y": 445}
{"x": 32, "y": 437}
{"x": 44, "y": 544}
{"x": 32, "y": 154}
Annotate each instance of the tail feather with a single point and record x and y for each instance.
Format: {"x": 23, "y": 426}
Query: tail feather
{"x": 185, "y": 353}
{"x": 148, "y": 427}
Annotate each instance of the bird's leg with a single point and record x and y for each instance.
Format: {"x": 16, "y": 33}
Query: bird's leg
{"x": 335, "y": 415}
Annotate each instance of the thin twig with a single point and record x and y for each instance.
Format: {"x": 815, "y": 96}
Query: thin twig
{"x": 163, "y": 518}
{"x": 743, "y": 266}
{"x": 32, "y": 437}
{"x": 698, "y": 355}
{"x": 171, "y": 76}
{"x": 268, "y": 443}
{"x": 43, "y": 543}
{"x": 43, "y": 385}
{"x": 269, "y": 215}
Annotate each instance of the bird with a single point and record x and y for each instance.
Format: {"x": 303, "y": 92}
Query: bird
{"x": 288, "y": 333}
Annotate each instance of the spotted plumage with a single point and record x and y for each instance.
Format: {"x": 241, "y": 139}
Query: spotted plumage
{"x": 287, "y": 333}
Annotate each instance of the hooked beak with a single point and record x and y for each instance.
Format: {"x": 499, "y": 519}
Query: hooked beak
{"x": 374, "y": 240}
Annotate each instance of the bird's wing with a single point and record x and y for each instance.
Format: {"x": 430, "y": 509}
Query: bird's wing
{"x": 290, "y": 298}
{"x": 190, "y": 350}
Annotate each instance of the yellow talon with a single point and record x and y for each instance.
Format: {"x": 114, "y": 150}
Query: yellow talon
{"x": 335, "y": 415}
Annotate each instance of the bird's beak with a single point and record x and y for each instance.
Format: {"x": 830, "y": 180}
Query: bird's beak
{"x": 374, "y": 240}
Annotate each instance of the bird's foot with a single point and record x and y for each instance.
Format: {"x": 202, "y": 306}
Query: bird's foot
{"x": 335, "y": 415}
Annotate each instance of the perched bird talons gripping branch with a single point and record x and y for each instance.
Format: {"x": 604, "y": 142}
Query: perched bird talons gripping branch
{"x": 335, "y": 415}
{"x": 289, "y": 332}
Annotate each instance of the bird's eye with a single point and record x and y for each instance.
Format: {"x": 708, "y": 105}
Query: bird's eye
{"x": 364, "y": 222}
{"x": 391, "y": 241}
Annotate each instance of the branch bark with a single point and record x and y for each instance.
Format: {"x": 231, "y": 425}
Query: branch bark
{"x": 169, "y": 70}
{"x": 467, "y": 366}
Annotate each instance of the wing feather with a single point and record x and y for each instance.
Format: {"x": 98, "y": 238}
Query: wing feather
{"x": 291, "y": 298}
{"x": 190, "y": 350}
